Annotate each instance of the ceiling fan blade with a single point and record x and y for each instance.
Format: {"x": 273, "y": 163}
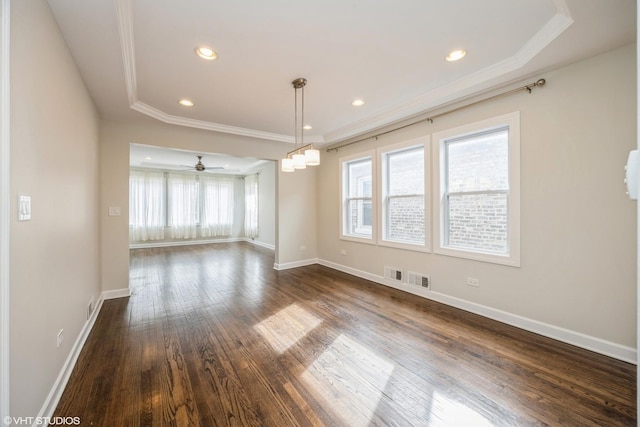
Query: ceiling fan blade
{"x": 219, "y": 169}
{"x": 168, "y": 166}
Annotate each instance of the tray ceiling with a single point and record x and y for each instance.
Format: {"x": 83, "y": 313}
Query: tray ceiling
{"x": 138, "y": 57}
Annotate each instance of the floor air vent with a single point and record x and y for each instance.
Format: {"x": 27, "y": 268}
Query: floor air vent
{"x": 393, "y": 274}
{"x": 419, "y": 280}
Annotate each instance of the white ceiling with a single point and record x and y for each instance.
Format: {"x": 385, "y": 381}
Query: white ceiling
{"x": 137, "y": 57}
{"x": 150, "y": 157}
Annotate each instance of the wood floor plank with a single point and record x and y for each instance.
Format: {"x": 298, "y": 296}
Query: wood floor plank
{"x": 212, "y": 335}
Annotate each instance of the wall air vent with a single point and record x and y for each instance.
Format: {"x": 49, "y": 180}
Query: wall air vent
{"x": 418, "y": 279}
{"x": 393, "y": 274}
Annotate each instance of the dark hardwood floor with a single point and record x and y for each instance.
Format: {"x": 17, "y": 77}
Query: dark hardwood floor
{"x": 213, "y": 336}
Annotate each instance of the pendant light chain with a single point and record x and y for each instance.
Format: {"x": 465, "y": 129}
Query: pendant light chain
{"x": 302, "y": 155}
{"x": 295, "y": 126}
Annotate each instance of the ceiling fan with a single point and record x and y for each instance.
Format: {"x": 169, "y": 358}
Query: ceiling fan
{"x": 200, "y": 167}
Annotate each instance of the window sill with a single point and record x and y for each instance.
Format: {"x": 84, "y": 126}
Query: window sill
{"x": 509, "y": 260}
{"x": 417, "y": 247}
{"x": 366, "y": 240}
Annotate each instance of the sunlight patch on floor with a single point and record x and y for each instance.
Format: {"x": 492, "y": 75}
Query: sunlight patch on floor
{"x": 446, "y": 412}
{"x": 287, "y": 326}
{"x": 349, "y": 379}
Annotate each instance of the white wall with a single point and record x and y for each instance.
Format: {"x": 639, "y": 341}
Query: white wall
{"x": 238, "y": 207}
{"x": 54, "y": 159}
{"x": 266, "y": 204}
{"x": 638, "y": 213}
{"x": 5, "y": 202}
{"x": 296, "y": 233}
{"x": 578, "y": 250}
{"x": 115, "y": 137}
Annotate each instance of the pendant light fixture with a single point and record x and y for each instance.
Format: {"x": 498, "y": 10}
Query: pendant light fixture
{"x": 302, "y": 155}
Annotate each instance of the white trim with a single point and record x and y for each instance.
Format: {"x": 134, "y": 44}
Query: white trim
{"x": 512, "y": 120}
{"x": 124, "y": 11}
{"x": 465, "y": 86}
{"x": 259, "y": 243}
{"x": 294, "y": 264}
{"x": 5, "y": 204}
{"x": 381, "y": 172}
{"x": 164, "y": 244}
{"x": 125, "y": 29}
{"x": 607, "y": 348}
{"x": 52, "y": 400}
{"x": 457, "y": 89}
{"x": 216, "y": 127}
{"x": 156, "y": 244}
{"x": 116, "y": 293}
{"x": 344, "y": 193}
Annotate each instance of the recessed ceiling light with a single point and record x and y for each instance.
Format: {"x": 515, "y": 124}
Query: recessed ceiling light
{"x": 186, "y": 102}
{"x": 357, "y": 102}
{"x": 307, "y": 127}
{"x": 207, "y": 53}
{"x": 147, "y": 158}
{"x": 455, "y": 55}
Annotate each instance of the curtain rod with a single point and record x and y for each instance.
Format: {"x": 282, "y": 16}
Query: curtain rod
{"x": 528, "y": 88}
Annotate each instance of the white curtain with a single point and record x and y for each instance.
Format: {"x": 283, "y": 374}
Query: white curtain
{"x": 184, "y": 205}
{"x": 146, "y": 206}
{"x": 217, "y": 212}
{"x": 251, "y": 205}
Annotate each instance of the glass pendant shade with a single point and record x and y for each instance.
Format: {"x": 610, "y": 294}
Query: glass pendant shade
{"x": 312, "y": 157}
{"x": 299, "y": 161}
{"x": 287, "y": 165}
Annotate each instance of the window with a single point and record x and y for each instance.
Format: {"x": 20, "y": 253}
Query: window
{"x": 357, "y": 198}
{"x": 189, "y": 205}
{"x": 146, "y": 205}
{"x": 184, "y": 205}
{"x": 478, "y": 215}
{"x": 217, "y": 205}
{"x": 403, "y": 178}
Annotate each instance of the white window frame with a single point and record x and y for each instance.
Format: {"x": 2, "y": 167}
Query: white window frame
{"x": 344, "y": 197}
{"x": 382, "y": 178}
{"x": 512, "y": 121}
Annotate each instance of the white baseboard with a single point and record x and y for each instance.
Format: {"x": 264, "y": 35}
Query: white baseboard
{"x": 607, "y": 348}
{"x": 294, "y": 264}
{"x": 163, "y": 244}
{"x": 261, "y": 244}
{"x": 116, "y": 293}
{"x": 52, "y": 400}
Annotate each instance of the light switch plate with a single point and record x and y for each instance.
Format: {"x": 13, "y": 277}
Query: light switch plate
{"x": 24, "y": 208}
{"x": 114, "y": 210}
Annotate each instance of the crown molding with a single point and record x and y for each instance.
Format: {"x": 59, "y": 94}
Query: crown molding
{"x": 157, "y": 114}
{"x": 202, "y": 124}
{"x": 124, "y": 13}
{"x": 442, "y": 95}
{"x": 463, "y": 87}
